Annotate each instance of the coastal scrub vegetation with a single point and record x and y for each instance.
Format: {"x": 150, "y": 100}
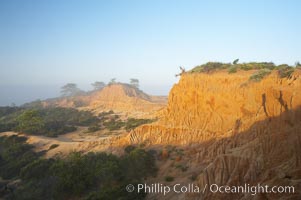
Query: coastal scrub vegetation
{"x": 49, "y": 122}
{"x": 259, "y": 75}
{"x": 78, "y": 176}
{"x": 129, "y": 124}
{"x": 284, "y": 70}
{"x": 52, "y": 122}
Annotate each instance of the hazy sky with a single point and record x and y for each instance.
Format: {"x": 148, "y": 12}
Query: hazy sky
{"x": 47, "y": 43}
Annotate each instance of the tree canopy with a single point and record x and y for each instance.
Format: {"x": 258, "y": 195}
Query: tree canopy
{"x": 70, "y": 89}
{"x": 30, "y": 121}
{"x": 134, "y": 82}
{"x": 235, "y": 61}
{"x": 98, "y": 85}
{"x": 112, "y": 81}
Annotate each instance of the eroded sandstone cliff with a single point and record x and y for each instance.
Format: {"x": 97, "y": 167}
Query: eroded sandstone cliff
{"x": 237, "y": 131}
{"x": 205, "y": 106}
{"x": 128, "y": 100}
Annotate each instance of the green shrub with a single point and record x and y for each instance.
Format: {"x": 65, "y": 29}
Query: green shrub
{"x": 69, "y": 116}
{"x": 103, "y": 114}
{"x": 55, "y": 128}
{"x": 37, "y": 169}
{"x": 267, "y": 65}
{"x": 93, "y": 128}
{"x": 139, "y": 163}
{"x": 31, "y": 122}
{"x": 282, "y": 66}
{"x": 259, "y": 75}
{"x": 53, "y": 146}
{"x": 7, "y": 126}
{"x": 7, "y": 110}
{"x": 129, "y": 148}
{"x": 14, "y": 154}
{"x": 232, "y": 69}
{"x": 246, "y": 67}
{"x": 113, "y": 124}
{"x": 258, "y": 65}
{"x": 285, "y": 72}
{"x": 74, "y": 175}
{"x": 210, "y": 66}
{"x": 132, "y": 123}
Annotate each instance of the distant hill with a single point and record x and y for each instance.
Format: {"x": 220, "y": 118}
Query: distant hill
{"x": 120, "y": 98}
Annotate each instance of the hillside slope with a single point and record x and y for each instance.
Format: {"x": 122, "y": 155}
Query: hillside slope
{"x": 126, "y": 99}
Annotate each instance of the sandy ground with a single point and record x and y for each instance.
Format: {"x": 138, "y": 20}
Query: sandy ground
{"x": 67, "y": 143}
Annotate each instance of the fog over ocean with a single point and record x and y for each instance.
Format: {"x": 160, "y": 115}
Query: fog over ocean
{"x": 21, "y": 94}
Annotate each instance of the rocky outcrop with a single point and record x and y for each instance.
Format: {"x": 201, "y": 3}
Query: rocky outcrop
{"x": 211, "y": 106}
{"x": 126, "y": 99}
{"x": 238, "y": 131}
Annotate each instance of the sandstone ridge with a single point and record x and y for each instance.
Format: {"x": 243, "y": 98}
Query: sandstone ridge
{"x": 120, "y": 98}
{"x": 209, "y": 106}
{"x": 126, "y": 99}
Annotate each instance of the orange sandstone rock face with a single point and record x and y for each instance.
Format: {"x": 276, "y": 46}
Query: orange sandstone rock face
{"x": 238, "y": 132}
{"x": 207, "y": 106}
{"x": 126, "y": 99}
